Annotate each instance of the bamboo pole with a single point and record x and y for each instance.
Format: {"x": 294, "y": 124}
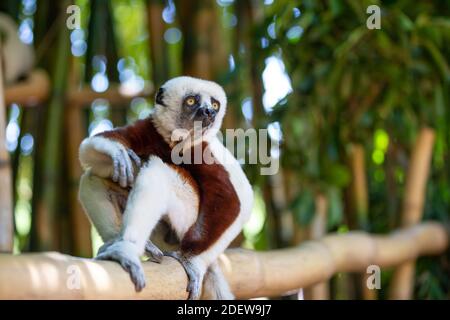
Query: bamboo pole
{"x": 31, "y": 92}
{"x": 415, "y": 191}
{"x": 250, "y": 13}
{"x": 359, "y": 185}
{"x": 6, "y": 195}
{"x": 81, "y": 234}
{"x": 320, "y": 291}
{"x": 158, "y": 46}
{"x": 75, "y": 132}
{"x": 285, "y": 216}
{"x": 115, "y": 95}
{"x": 197, "y": 23}
{"x": 250, "y": 273}
{"x": 360, "y": 204}
{"x": 48, "y": 208}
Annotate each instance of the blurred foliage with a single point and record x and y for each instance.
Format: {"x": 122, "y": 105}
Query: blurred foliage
{"x": 372, "y": 87}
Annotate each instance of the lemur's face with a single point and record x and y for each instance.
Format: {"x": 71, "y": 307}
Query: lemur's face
{"x": 184, "y": 101}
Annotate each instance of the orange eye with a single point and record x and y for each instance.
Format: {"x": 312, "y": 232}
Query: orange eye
{"x": 190, "y": 101}
{"x": 215, "y": 105}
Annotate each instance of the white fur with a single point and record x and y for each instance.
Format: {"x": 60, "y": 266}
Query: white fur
{"x": 158, "y": 191}
{"x": 147, "y": 202}
{"x": 183, "y": 204}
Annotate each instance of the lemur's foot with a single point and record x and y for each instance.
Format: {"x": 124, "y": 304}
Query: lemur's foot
{"x": 125, "y": 253}
{"x": 195, "y": 277}
{"x": 153, "y": 252}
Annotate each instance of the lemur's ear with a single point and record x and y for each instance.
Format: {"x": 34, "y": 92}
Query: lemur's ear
{"x": 160, "y": 96}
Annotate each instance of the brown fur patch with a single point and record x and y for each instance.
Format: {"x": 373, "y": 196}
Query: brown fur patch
{"x": 142, "y": 138}
{"x": 219, "y": 206}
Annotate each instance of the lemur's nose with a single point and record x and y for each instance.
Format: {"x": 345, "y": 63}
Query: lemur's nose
{"x": 209, "y": 112}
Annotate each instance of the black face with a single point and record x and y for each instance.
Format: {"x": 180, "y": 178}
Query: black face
{"x": 198, "y": 108}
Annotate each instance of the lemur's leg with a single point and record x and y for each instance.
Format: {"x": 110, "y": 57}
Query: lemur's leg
{"x": 152, "y": 186}
{"x": 215, "y": 286}
{"x": 99, "y": 207}
{"x": 104, "y": 209}
{"x": 196, "y": 265}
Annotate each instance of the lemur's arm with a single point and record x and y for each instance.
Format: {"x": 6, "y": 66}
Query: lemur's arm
{"x": 111, "y": 154}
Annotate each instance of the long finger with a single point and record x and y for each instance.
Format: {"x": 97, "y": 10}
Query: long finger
{"x": 115, "y": 176}
{"x": 128, "y": 167}
{"x": 123, "y": 171}
{"x": 134, "y": 157}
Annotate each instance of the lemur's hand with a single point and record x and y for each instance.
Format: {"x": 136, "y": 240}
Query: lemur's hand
{"x": 123, "y": 171}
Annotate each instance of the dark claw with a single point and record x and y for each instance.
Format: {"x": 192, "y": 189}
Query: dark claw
{"x": 153, "y": 252}
{"x": 134, "y": 157}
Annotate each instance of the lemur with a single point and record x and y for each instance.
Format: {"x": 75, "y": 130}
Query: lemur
{"x": 205, "y": 204}
{"x": 17, "y": 58}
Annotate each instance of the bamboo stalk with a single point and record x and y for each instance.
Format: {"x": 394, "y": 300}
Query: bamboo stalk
{"x": 6, "y": 195}
{"x": 320, "y": 291}
{"x": 158, "y": 46}
{"x": 250, "y": 273}
{"x": 360, "y": 207}
{"x": 75, "y": 132}
{"x": 48, "y": 204}
{"x": 359, "y": 185}
{"x": 285, "y": 215}
{"x": 81, "y": 226}
{"x": 249, "y": 14}
{"x": 197, "y": 21}
{"x": 403, "y": 280}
